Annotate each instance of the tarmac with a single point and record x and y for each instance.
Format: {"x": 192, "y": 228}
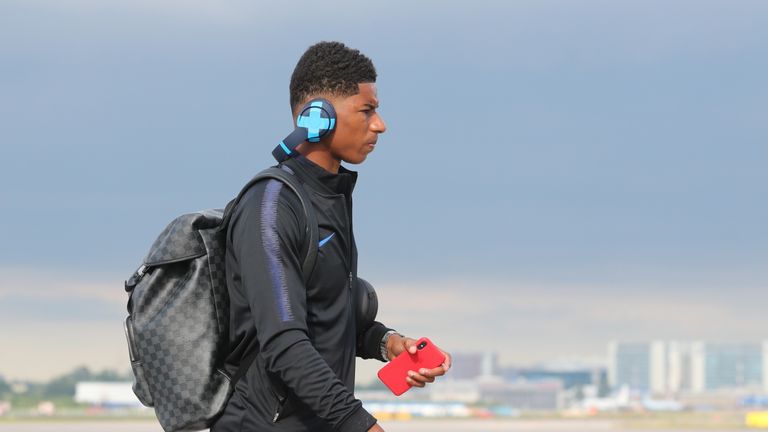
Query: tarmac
{"x": 489, "y": 425}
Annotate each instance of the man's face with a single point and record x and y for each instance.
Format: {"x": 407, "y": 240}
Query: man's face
{"x": 358, "y": 125}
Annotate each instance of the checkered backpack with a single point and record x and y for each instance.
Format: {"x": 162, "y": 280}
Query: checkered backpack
{"x": 178, "y": 315}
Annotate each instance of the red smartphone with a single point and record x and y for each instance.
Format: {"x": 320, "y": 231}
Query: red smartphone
{"x": 427, "y": 356}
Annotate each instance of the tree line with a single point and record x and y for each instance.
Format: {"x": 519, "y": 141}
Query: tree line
{"x": 63, "y": 385}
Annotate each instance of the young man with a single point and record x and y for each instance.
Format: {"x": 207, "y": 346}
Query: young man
{"x": 305, "y": 333}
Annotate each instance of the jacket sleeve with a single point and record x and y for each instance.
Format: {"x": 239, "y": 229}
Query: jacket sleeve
{"x": 268, "y": 243}
{"x": 369, "y": 341}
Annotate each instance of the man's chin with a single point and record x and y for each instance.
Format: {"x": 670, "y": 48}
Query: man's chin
{"x": 356, "y": 160}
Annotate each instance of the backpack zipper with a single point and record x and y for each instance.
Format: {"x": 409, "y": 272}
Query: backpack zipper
{"x": 141, "y": 271}
{"x": 131, "y": 283}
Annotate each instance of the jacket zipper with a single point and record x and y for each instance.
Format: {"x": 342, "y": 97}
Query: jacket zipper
{"x": 277, "y": 408}
{"x": 350, "y": 278}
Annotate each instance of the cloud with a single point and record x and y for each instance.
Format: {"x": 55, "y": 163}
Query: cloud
{"x": 52, "y": 320}
{"x": 529, "y": 322}
{"x": 54, "y": 284}
{"x": 63, "y": 319}
{"x": 42, "y": 350}
{"x": 181, "y": 10}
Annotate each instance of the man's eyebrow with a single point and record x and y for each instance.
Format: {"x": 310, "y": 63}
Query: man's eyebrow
{"x": 371, "y": 105}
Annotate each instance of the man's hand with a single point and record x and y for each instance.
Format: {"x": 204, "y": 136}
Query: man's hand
{"x": 376, "y": 428}
{"x": 397, "y": 344}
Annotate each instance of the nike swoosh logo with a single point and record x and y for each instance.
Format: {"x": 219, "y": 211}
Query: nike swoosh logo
{"x": 325, "y": 240}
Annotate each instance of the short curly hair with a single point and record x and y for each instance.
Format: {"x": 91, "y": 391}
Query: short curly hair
{"x": 330, "y": 68}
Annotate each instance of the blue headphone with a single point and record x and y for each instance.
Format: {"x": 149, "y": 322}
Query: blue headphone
{"x": 316, "y": 120}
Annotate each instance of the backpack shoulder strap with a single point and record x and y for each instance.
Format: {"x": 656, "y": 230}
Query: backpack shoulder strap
{"x": 312, "y": 232}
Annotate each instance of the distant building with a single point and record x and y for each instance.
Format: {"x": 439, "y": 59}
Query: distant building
{"x": 721, "y": 366}
{"x": 680, "y": 373}
{"x": 407, "y": 410}
{"x": 672, "y": 367}
{"x": 468, "y": 366}
{"x": 524, "y": 396}
{"x": 464, "y": 391}
{"x": 545, "y": 395}
{"x": 642, "y": 366}
{"x": 569, "y": 378}
{"x": 106, "y": 394}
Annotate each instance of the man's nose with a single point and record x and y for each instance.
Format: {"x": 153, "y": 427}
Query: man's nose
{"x": 378, "y": 125}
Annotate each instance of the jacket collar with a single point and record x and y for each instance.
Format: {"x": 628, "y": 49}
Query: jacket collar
{"x": 321, "y": 180}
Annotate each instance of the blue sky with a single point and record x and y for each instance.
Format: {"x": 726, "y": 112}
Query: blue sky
{"x": 561, "y": 154}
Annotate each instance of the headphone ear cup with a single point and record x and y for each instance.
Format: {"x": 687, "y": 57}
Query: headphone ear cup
{"x": 367, "y": 304}
{"x": 316, "y": 119}
{"x": 318, "y": 116}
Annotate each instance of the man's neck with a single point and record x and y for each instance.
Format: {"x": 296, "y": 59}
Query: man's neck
{"x": 320, "y": 157}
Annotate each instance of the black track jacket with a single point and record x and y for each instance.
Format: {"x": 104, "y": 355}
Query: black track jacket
{"x": 305, "y": 334}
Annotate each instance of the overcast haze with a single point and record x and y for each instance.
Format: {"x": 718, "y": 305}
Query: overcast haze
{"x": 555, "y": 174}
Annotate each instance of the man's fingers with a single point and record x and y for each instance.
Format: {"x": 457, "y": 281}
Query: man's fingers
{"x": 420, "y": 381}
{"x": 414, "y": 382}
{"x": 421, "y": 377}
{"x": 438, "y": 371}
{"x": 410, "y": 345}
{"x": 447, "y": 362}
{"x": 424, "y": 376}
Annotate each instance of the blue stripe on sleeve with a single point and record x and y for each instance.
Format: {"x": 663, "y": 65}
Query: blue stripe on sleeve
{"x": 271, "y": 243}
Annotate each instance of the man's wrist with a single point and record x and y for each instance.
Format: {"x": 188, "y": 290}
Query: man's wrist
{"x": 383, "y": 344}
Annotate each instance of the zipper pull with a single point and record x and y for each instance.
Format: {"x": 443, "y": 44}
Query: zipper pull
{"x": 278, "y": 408}
{"x": 135, "y": 278}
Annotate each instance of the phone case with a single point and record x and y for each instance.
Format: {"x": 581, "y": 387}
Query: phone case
{"x": 393, "y": 375}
